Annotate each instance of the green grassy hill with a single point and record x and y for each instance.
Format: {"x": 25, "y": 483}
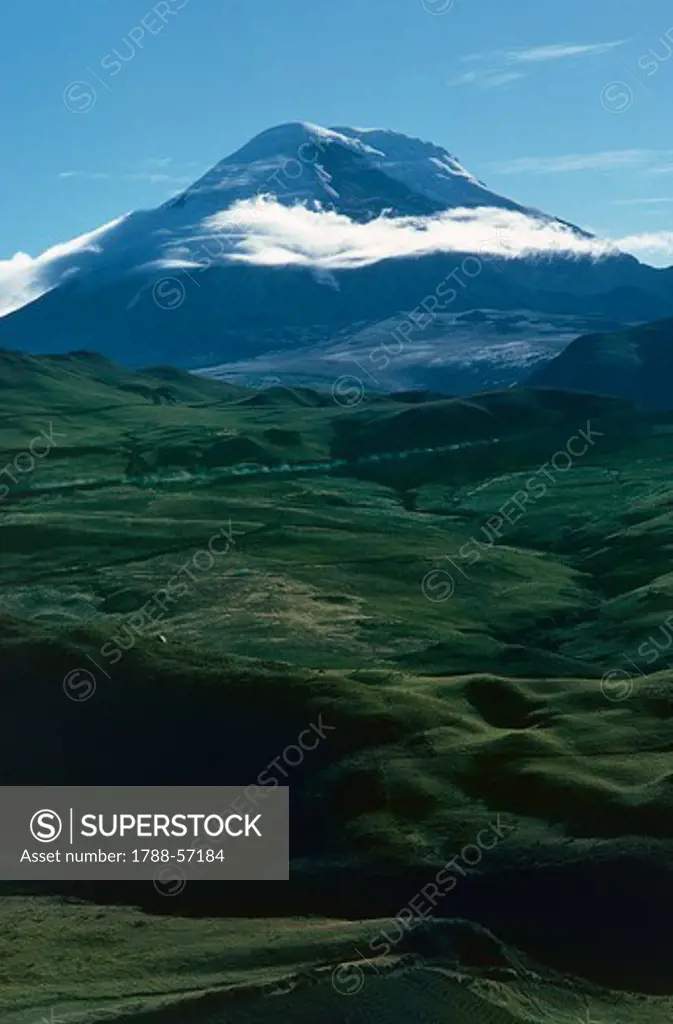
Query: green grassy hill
{"x": 472, "y": 595}
{"x": 182, "y": 971}
{"x": 635, "y": 364}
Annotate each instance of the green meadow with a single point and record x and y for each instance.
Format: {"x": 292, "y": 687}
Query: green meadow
{"x": 476, "y": 610}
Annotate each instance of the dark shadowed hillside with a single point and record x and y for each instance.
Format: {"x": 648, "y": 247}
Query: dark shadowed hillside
{"x": 636, "y": 364}
{"x": 455, "y": 592}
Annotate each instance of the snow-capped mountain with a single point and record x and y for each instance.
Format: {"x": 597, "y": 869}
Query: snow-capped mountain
{"x": 358, "y": 172}
{"x": 307, "y": 234}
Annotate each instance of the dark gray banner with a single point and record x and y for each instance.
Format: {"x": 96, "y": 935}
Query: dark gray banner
{"x": 163, "y": 833}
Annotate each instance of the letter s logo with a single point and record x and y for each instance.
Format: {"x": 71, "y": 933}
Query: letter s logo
{"x": 45, "y": 826}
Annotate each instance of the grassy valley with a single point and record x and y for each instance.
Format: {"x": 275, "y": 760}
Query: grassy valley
{"x": 472, "y": 597}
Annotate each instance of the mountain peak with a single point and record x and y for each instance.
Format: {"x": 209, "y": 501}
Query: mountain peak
{"x": 359, "y": 172}
{"x": 284, "y": 138}
{"x": 270, "y": 276}
{"x": 409, "y": 147}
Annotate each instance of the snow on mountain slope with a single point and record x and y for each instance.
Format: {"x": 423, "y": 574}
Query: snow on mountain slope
{"x": 356, "y": 173}
{"x": 359, "y": 174}
{"x": 255, "y": 166}
{"x": 425, "y": 168}
{"x": 23, "y": 279}
{"x": 304, "y": 230}
{"x": 296, "y": 163}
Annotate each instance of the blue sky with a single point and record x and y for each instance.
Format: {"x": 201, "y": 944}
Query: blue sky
{"x": 561, "y": 106}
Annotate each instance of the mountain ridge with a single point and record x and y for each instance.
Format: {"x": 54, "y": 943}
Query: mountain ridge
{"x": 305, "y": 231}
{"x": 636, "y": 364}
{"x": 307, "y": 145}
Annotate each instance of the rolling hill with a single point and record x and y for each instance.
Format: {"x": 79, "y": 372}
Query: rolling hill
{"x": 474, "y": 657}
{"x": 635, "y": 364}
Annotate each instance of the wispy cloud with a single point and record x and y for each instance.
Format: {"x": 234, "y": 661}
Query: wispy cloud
{"x": 661, "y": 169}
{"x": 158, "y": 178}
{"x": 158, "y": 161}
{"x": 151, "y": 171}
{"x": 86, "y": 175}
{"x": 264, "y": 232}
{"x": 653, "y": 201}
{"x": 486, "y": 79}
{"x": 23, "y": 278}
{"x": 500, "y": 67}
{"x": 649, "y": 245}
{"x": 607, "y": 160}
{"x": 561, "y": 51}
